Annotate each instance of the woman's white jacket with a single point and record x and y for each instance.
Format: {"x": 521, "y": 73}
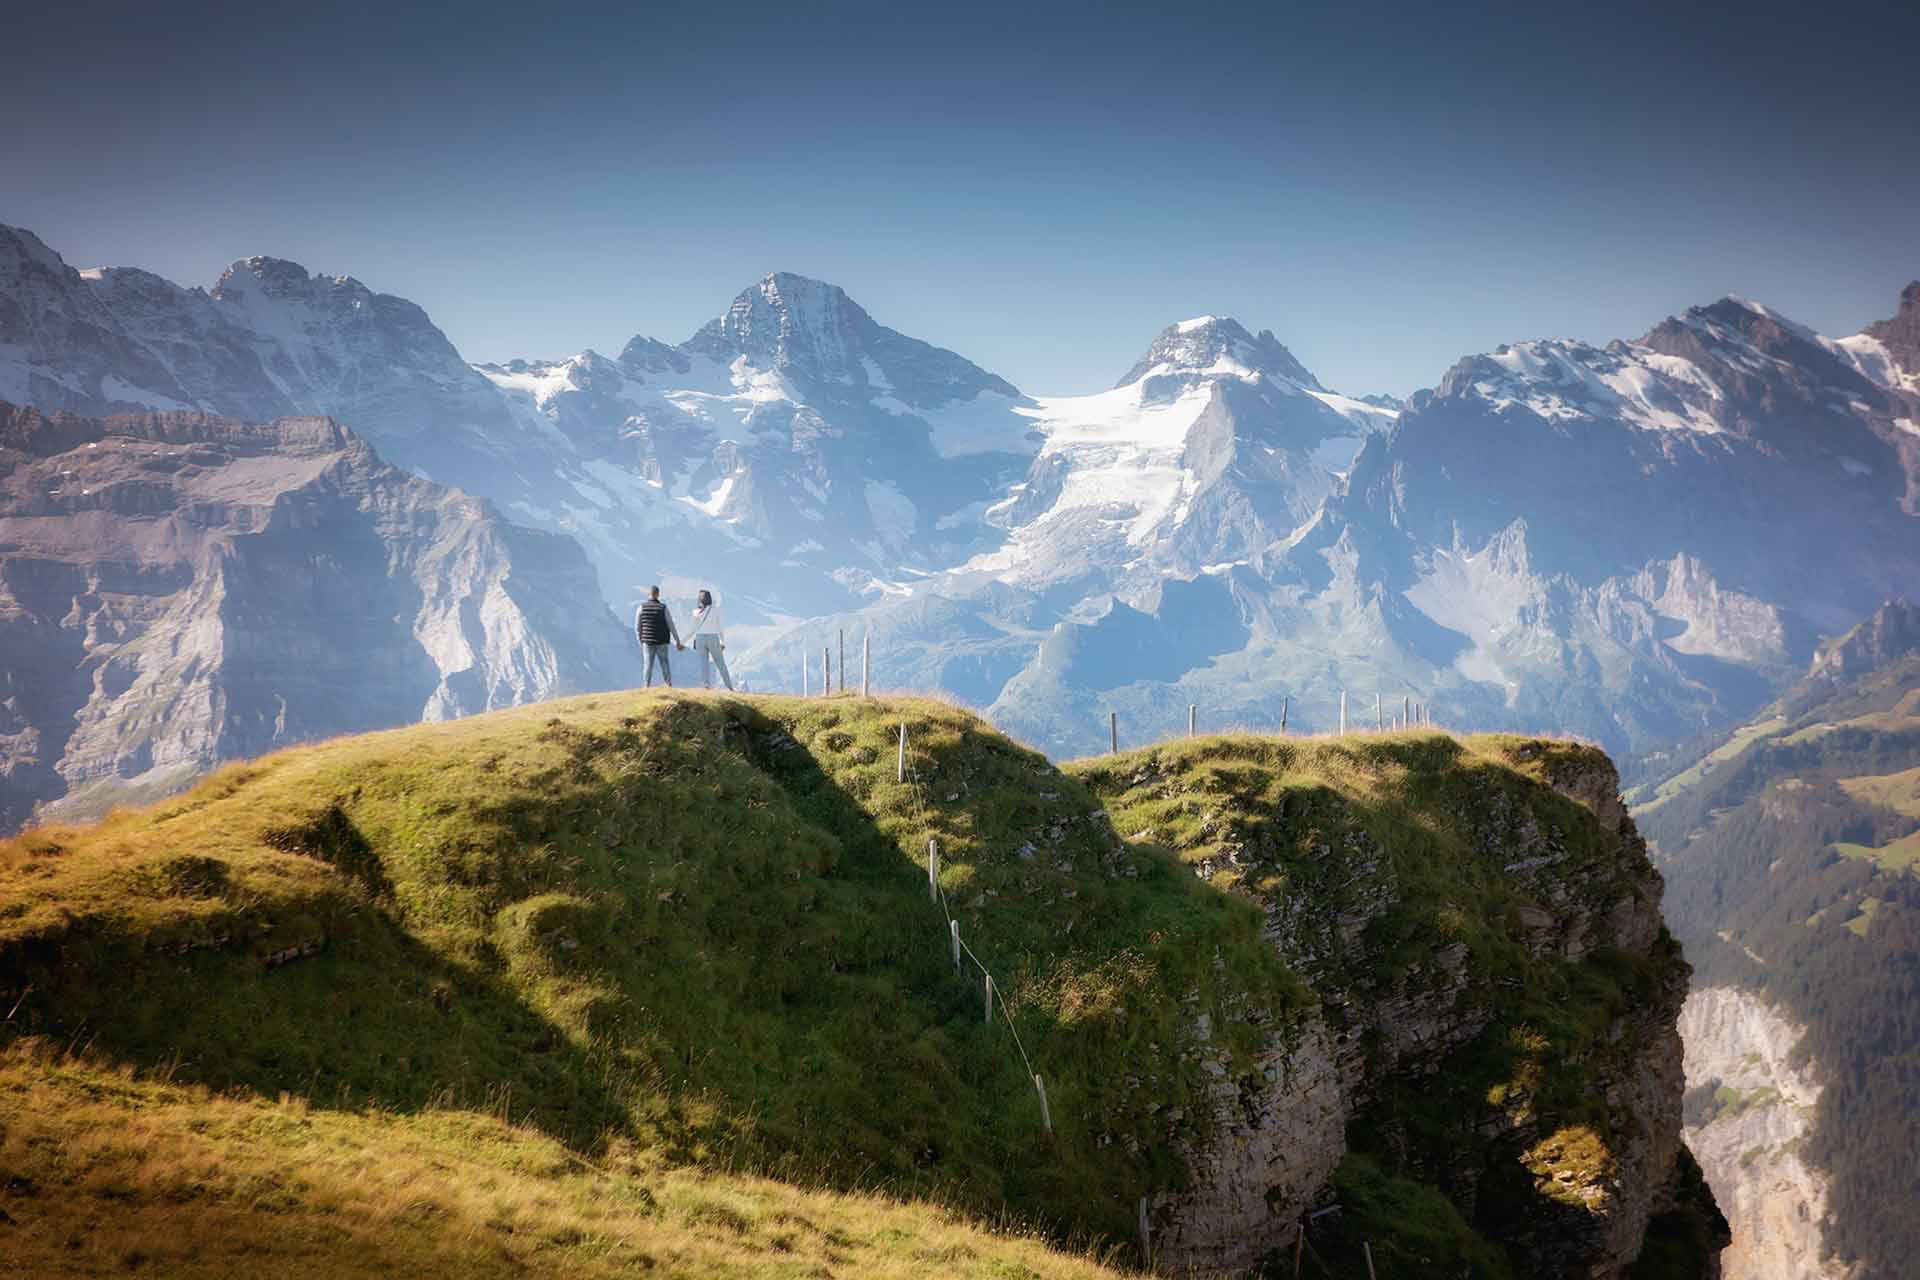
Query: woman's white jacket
{"x": 706, "y": 622}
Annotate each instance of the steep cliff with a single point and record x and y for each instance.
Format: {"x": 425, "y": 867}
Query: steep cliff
{"x": 1750, "y": 1111}
{"x": 1493, "y": 1052}
{"x": 177, "y": 590}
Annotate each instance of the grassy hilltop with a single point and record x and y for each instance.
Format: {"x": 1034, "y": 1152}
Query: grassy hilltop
{"x": 650, "y": 983}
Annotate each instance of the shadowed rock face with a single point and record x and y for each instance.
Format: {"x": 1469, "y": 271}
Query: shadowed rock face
{"x": 178, "y": 589}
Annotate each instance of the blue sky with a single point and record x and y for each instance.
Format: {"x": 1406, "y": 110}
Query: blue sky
{"x": 1040, "y": 187}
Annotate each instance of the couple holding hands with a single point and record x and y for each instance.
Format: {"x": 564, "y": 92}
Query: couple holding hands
{"x": 654, "y": 627}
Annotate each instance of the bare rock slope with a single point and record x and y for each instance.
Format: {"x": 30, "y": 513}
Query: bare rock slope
{"x": 1751, "y": 1109}
{"x": 178, "y": 589}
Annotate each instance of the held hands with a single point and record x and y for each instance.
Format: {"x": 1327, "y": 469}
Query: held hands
{"x": 678, "y": 645}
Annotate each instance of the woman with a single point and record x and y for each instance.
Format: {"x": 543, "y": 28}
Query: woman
{"x": 706, "y": 639}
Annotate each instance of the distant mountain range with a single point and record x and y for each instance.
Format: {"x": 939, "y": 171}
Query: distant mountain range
{"x": 1635, "y": 542}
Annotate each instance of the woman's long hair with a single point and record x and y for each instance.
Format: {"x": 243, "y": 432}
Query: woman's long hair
{"x": 706, "y": 598}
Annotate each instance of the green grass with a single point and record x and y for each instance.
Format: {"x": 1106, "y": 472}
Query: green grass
{"x": 1899, "y": 792}
{"x": 695, "y": 925}
{"x": 1862, "y": 922}
{"x": 1901, "y": 855}
{"x": 595, "y": 948}
{"x": 1902, "y": 716}
{"x": 1736, "y": 742}
{"x": 1411, "y": 1229}
{"x": 1728, "y": 1102}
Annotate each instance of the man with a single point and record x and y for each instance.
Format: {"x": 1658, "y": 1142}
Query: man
{"x": 653, "y": 626}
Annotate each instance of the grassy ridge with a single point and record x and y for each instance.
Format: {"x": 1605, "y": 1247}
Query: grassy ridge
{"x": 696, "y": 926}
{"x": 619, "y": 956}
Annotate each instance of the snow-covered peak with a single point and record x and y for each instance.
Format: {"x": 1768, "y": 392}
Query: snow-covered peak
{"x": 327, "y": 325}
{"x": 789, "y": 321}
{"x": 1564, "y": 380}
{"x": 811, "y": 332}
{"x": 1219, "y": 346}
{"x": 276, "y": 277}
{"x": 542, "y": 380}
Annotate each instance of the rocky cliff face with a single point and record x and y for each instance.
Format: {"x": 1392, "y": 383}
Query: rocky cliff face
{"x": 1891, "y": 633}
{"x": 178, "y": 589}
{"x": 1496, "y": 1020}
{"x": 1750, "y": 1109}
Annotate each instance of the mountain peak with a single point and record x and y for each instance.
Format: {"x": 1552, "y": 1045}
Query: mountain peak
{"x": 278, "y": 278}
{"x": 1902, "y": 333}
{"x": 1890, "y": 634}
{"x": 23, "y": 246}
{"x": 790, "y": 322}
{"x": 810, "y": 328}
{"x": 1218, "y": 344}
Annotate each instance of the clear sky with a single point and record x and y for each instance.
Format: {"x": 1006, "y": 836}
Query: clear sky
{"x": 1040, "y": 187}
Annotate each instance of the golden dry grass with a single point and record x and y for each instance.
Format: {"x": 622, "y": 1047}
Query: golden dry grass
{"x": 104, "y": 1173}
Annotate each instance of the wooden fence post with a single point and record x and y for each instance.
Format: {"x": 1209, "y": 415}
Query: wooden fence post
{"x": 866, "y": 662}
{"x": 1299, "y": 1240}
{"x": 826, "y": 671}
{"x": 1046, "y": 1116}
{"x": 1379, "y": 720}
{"x": 843, "y": 659}
{"x": 803, "y": 673}
{"x": 953, "y": 932}
{"x": 1193, "y": 713}
{"x": 1367, "y": 1249}
{"x": 1113, "y": 730}
{"x": 1406, "y": 711}
{"x": 1343, "y": 713}
{"x": 933, "y": 870}
{"x": 902, "y": 765}
{"x": 989, "y": 990}
{"x": 1285, "y": 702}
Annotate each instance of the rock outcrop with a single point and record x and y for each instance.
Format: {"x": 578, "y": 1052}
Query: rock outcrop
{"x": 178, "y": 589}
{"x": 1496, "y": 1018}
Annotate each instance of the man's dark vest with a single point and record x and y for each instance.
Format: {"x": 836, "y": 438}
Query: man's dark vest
{"x": 653, "y": 626}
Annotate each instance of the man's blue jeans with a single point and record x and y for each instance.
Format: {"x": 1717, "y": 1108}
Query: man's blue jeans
{"x": 659, "y": 653}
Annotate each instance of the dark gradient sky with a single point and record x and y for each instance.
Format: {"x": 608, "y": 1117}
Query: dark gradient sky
{"x": 1040, "y": 187}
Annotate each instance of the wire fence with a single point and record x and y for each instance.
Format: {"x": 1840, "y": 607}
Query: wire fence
{"x": 994, "y": 993}
{"x": 1410, "y": 715}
